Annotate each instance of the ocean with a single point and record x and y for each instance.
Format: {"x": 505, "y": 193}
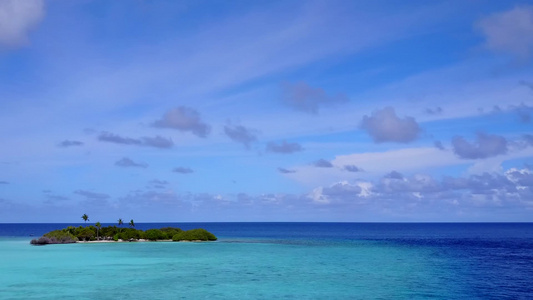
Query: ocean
{"x": 278, "y": 261}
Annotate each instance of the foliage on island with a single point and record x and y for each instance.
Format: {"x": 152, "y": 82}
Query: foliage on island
{"x": 73, "y": 234}
{"x": 194, "y": 235}
{"x": 55, "y": 237}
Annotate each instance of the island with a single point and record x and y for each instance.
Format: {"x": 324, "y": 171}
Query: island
{"x": 97, "y": 234}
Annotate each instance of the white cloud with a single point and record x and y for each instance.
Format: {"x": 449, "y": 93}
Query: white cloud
{"x": 385, "y": 126}
{"x": 510, "y": 31}
{"x": 284, "y": 147}
{"x": 241, "y": 134}
{"x": 322, "y": 163}
{"x": 127, "y": 162}
{"x": 184, "y": 119}
{"x": 486, "y": 145}
{"x": 17, "y": 18}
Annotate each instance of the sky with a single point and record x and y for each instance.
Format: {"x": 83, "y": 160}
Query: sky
{"x": 297, "y": 111}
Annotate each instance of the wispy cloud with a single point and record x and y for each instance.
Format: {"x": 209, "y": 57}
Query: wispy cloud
{"x": 157, "y": 141}
{"x": 91, "y": 195}
{"x": 117, "y": 139}
{"x": 433, "y": 111}
{"x": 54, "y": 199}
{"x": 159, "y": 182}
{"x": 527, "y": 84}
{"x": 284, "y": 147}
{"x": 352, "y": 168}
{"x": 126, "y": 163}
{"x": 164, "y": 200}
{"x": 93, "y": 199}
{"x": 183, "y": 170}
{"x": 300, "y": 96}
{"x": 286, "y": 171}
{"x": 241, "y": 134}
{"x": 523, "y": 111}
{"x": 439, "y": 145}
{"x": 69, "y": 143}
{"x": 528, "y": 138}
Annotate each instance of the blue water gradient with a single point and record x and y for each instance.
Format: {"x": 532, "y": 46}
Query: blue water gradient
{"x": 278, "y": 260}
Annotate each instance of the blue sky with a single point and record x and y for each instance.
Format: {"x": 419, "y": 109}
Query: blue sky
{"x": 351, "y": 111}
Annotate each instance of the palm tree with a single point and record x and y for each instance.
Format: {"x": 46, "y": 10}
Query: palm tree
{"x": 120, "y": 222}
{"x": 98, "y": 227}
{"x": 132, "y": 224}
{"x": 85, "y": 218}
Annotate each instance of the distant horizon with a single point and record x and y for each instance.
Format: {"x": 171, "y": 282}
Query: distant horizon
{"x": 254, "y": 111}
{"x": 429, "y": 222}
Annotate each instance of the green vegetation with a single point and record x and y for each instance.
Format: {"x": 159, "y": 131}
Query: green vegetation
{"x": 170, "y": 232}
{"x": 154, "y": 235}
{"x": 194, "y": 235}
{"x": 73, "y": 234}
{"x": 55, "y": 237}
{"x": 85, "y": 234}
{"x": 98, "y": 228}
{"x": 130, "y": 234}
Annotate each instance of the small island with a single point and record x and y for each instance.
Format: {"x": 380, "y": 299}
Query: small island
{"x": 97, "y": 233}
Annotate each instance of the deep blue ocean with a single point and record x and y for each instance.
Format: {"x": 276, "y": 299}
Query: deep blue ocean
{"x": 278, "y": 261}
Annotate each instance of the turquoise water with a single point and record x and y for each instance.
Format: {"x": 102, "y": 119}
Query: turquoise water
{"x": 219, "y": 270}
{"x": 305, "y": 266}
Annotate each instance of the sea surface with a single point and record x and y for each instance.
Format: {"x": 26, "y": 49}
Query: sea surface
{"x": 278, "y": 261}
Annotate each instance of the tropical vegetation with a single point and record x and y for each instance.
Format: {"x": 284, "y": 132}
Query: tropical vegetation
{"x": 73, "y": 234}
{"x": 199, "y": 234}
